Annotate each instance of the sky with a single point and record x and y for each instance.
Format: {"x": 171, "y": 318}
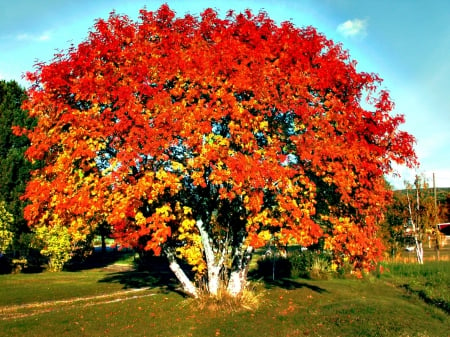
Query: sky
{"x": 406, "y": 42}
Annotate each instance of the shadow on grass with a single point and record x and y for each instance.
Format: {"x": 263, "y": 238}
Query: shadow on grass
{"x": 289, "y": 284}
{"x": 155, "y": 274}
{"x": 439, "y": 303}
{"x": 141, "y": 279}
{"x": 97, "y": 259}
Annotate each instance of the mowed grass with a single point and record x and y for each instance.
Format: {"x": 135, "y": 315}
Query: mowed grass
{"x": 31, "y": 288}
{"x": 99, "y": 302}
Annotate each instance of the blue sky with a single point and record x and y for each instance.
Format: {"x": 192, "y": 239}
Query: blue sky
{"x": 407, "y": 42}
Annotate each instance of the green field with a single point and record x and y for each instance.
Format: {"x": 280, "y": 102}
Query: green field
{"x": 108, "y": 302}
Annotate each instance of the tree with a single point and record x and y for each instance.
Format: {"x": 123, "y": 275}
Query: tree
{"x": 14, "y": 168}
{"x": 423, "y": 214}
{"x": 55, "y": 242}
{"x": 396, "y": 222}
{"x": 202, "y": 138}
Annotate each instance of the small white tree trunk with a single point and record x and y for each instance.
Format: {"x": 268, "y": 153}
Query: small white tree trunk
{"x": 238, "y": 276}
{"x": 419, "y": 251}
{"x": 236, "y": 282}
{"x": 187, "y": 285}
{"x": 213, "y": 280}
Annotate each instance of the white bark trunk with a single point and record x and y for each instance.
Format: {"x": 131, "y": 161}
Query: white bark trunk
{"x": 236, "y": 283}
{"x": 214, "y": 280}
{"x": 238, "y": 276}
{"x": 187, "y": 285}
{"x": 419, "y": 251}
{"x": 212, "y": 266}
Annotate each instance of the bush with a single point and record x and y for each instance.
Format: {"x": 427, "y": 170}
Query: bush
{"x": 310, "y": 264}
{"x": 297, "y": 264}
{"x": 301, "y": 263}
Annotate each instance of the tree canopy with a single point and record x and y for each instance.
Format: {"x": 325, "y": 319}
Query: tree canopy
{"x": 205, "y": 137}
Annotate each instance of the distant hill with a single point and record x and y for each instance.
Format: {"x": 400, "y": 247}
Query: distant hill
{"x": 441, "y": 192}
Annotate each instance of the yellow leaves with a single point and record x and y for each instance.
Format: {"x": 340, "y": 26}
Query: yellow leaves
{"x": 186, "y": 225}
{"x": 140, "y": 219}
{"x": 176, "y": 166}
{"x": 164, "y": 180}
{"x": 213, "y": 142}
{"x": 161, "y": 174}
{"x": 164, "y": 210}
{"x": 265, "y": 235}
{"x": 95, "y": 144}
{"x": 191, "y": 250}
{"x": 263, "y": 125}
{"x": 300, "y": 127}
{"x": 324, "y": 217}
{"x": 193, "y": 255}
{"x": 328, "y": 243}
{"x": 261, "y": 218}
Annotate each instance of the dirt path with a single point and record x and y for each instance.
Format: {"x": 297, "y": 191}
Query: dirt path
{"x": 31, "y": 309}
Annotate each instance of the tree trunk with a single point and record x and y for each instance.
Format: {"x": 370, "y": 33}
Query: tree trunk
{"x": 419, "y": 251}
{"x": 238, "y": 275}
{"x": 187, "y": 285}
{"x": 103, "y": 236}
{"x": 214, "y": 279}
{"x": 214, "y": 264}
{"x": 236, "y": 282}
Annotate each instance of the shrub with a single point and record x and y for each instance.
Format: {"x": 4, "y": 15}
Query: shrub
{"x": 310, "y": 264}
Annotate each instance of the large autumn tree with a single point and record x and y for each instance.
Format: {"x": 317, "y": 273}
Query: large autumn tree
{"x": 203, "y": 138}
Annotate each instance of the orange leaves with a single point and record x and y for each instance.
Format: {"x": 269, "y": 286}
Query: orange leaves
{"x": 354, "y": 243}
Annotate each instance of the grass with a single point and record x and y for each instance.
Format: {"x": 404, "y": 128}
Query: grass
{"x": 430, "y": 281}
{"x": 30, "y": 288}
{"x": 98, "y": 302}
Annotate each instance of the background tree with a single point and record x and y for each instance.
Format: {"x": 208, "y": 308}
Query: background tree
{"x": 14, "y": 168}
{"x": 396, "y": 222}
{"x": 444, "y": 209}
{"x": 422, "y": 215}
{"x": 203, "y": 138}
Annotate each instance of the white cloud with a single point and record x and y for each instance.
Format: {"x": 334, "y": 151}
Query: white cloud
{"x": 45, "y": 36}
{"x": 22, "y": 37}
{"x": 352, "y": 28}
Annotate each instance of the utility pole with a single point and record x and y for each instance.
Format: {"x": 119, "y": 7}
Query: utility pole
{"x": 436, "y": 230}
{"x": 418, "y": 226}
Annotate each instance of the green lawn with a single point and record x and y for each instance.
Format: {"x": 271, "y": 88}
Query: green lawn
{"x": 430, "y": 281}
{"x": 99, "y": 302}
